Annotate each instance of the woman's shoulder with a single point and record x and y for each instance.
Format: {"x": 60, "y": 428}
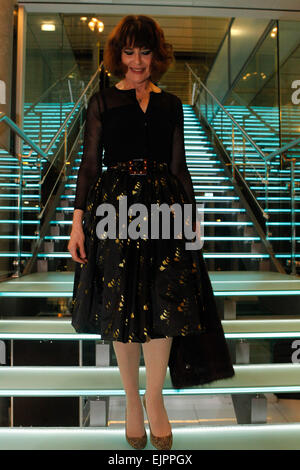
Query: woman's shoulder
{"x": 172, "y": 95}
{"x": 174, "y": 101}
{"x": 112, "y": 94}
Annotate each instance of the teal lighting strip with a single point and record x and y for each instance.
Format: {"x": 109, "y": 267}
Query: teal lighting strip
{"x": 225, "y": 293}
{"x": 290, "y": 334}
{"x": 168, "y": 392}
{"x": 95, "y": 337}
{"x": 24, "y": 208}
{"x": 57, "y": 294}
{"x": 20, "y": 221}
{"x": 256, "y": 292}
{"x": 16, "y": 237}
{"x": 50, "y": 336}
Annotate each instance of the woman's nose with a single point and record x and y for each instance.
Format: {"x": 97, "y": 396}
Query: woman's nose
{"x": 137, "y": 58}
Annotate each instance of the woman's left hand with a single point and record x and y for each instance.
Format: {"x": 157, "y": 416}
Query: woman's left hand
{"x": 197, "y": 230}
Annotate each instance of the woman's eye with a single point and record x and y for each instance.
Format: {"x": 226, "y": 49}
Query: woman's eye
{"x": 145, "y": 52}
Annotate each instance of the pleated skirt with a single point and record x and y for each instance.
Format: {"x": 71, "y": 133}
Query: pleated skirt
{"x": 135, "y": 289}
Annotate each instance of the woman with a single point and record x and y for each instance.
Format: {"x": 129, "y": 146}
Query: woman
{"x": 139, "y": 291}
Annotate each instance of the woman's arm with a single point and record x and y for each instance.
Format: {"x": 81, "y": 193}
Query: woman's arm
{"x": 91, "y": 165}
{"x": 90, "y": 169}
{"x": 178, "y": 166}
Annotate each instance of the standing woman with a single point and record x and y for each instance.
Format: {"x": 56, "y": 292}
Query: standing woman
{"x": 142, "y": 291}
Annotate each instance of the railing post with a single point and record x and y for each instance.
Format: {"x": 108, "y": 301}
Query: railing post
{"x": 244, "y": 146}
{"x": 40, "y": 130}
{"x": 293, "y": 219}
{"x": 65, "y": 150}
{"x": 233, "y": 150}
{"x": 266, "y": 205}
{"x": 222, "y": 124}
{"x": 70, "y": 91}
{"x": 17, "y": 261}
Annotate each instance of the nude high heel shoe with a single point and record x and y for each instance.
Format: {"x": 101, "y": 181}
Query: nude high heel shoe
{"x": 160, "y": 443}
{"x": 135, "y": 442}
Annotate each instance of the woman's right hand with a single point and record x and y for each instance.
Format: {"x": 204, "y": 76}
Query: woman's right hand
{"x": 76, "y": 245}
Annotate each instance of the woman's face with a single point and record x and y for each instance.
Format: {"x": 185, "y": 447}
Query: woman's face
{"x": 138, "y": 60}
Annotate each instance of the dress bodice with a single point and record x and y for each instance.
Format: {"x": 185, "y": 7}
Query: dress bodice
{"x": 117, "y": 129}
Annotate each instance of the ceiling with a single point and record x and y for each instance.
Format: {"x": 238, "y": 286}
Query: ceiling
{"x": 270, "y": 9}
{"x": 200, "y": 35}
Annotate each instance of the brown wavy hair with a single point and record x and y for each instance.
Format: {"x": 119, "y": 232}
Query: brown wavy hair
{"x": 137, "y": 31}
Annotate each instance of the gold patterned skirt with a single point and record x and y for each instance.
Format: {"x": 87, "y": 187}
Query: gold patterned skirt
{"x": 131, "y": 290}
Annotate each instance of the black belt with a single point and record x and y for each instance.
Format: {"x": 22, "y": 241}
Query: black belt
{"x": 138, "y": 166}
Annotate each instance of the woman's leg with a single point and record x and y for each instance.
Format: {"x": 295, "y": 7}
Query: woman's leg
{"x": 156, "y": 356}
{"x": 128, "y": 358}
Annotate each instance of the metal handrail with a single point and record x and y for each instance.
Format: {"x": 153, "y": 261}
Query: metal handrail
{"x": 62, "y": 171}
{"x": 261, "y": 153}
{"x": 61, "y": 175}
{"x": 45, "y": 93}
{"x": 266, "y": 157}
{"x": 62, "y": 127}
{"x": 5, "y": 119}
{"x": 254, "y": 113}
{"x": 22, "y": 134}
{"x": 283, "y": 149}
{"x": 61, "y": 130}
{"x": 244, "y": 133}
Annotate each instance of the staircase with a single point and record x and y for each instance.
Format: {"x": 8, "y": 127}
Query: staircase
{"x": 83, "y": 368}
{"x": 17, "y": 220}
{"x": 230, "y": 241}
{"x": 21, "y": 221}
{"x": 262, "y": 126}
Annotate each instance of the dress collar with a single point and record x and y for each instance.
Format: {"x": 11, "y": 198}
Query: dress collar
{"x": 132, "y": 90}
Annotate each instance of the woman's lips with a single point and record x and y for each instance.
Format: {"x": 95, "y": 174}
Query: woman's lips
{"x": 137, "y": 70}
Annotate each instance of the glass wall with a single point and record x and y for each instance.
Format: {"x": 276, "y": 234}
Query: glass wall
{"x": 256, "y": 92}
{"x": 48, "y": 51}
{"x": 289, "y": 77}
{"x": 262, "y": 94}
{"x": 263, "y": 80}
{"x": 239, "y": 42}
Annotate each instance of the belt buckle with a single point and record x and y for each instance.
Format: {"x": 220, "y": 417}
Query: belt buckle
{"x": 139, "y": 168}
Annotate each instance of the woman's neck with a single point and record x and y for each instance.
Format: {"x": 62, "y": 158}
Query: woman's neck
{"x": 141, "y": 88}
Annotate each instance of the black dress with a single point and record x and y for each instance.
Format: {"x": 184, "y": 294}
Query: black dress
{"x": 134, "y": 290}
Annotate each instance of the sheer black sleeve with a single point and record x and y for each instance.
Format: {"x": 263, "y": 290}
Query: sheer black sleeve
{"x": 178, "y": 166}
{"x": 91, "y": 163}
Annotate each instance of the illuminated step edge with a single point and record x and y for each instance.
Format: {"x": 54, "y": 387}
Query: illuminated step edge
{"x": 16, "y": 175}
{"x": 64, "y": 291}
{"x": 63, "y": 325}
{"x": 237, "y": 437}
{"x": 26, "y": 196}
{"x": 205, "y": 255}
{"x": 215, "y": 210}
{"x": 16, "y": 237}
{"x": 26, "y": 208}
{"x": 22, "y": 221}
{"x": 214, "y": 238}
{"x": 90, "y": 337}
{"x": 206, "y": 196}
{"x": 106, "y": 381}
{"x": 216, "y": 223}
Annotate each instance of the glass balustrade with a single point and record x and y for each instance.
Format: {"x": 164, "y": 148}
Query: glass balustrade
{"x": 256, "y": 79}
{"x": 31, "y": 183}
{"x": 257, "y": 116}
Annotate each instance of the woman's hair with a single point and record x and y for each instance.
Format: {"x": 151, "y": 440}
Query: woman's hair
{"x": 137, "y": 31}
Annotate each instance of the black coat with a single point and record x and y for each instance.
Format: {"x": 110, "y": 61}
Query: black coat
{"x": 203, "y": 357}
